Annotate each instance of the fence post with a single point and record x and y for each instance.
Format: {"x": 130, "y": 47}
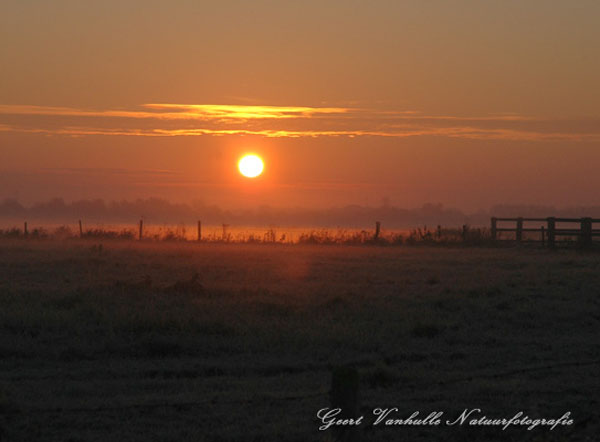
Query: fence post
{"x": 519, "y": 229}
{"x": 439, "y": 232}
{"x": 25, "y": 231}
{"x": 199, "y": 230}
{"x": 543, "y": 236}
{"x": 226, "y": 234}
{"x": 494, "y": 227}
{"x": 141, "y": 234}
{"x": 551, "y": 232}
{"x": 344, "y": 395}
{"x": 464, "y": 232}
{"x": 586, "y": 232}
{"x": 377, "y": 229}
{"x": 80, "y": 229}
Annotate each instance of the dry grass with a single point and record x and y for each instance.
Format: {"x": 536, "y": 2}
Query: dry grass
{"x": 340, "y": 236}
{"x": 181, "y": 341}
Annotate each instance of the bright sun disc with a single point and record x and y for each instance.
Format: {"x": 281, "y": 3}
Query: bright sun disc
{"x": 251, "y": 166}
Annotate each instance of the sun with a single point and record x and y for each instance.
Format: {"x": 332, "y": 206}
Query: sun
{"x": 251, "y": 166}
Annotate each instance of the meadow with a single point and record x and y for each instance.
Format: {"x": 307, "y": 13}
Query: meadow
{"x": 119, "y": 340}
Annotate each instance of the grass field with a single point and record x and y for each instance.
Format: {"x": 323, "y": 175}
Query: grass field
{"x": 127, "y": 341}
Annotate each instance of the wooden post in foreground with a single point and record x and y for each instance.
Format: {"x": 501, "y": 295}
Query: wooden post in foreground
{"x": 80, "y": 229}
{"x": 519, "y": 234}
{"x": 25, "y": 231}
{"x": 551, "y": 232}
{"x": 344, "y": 395}
{"x": 586, "y": 232}
{"x": 199, "y": 230}
{"x": 464, "y": 232}
{"x": 141, "y": 229}
{"x": 494, "y": 227}
{"x": 377, "y": 230}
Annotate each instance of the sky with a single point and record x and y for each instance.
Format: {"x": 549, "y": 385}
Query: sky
{"x": 465, "y": 103}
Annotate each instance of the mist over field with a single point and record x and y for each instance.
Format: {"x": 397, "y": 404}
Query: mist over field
{"x": 156, "y": 210}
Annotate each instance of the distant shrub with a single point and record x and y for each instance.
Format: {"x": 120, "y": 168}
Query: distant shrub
{"x": 39, "y": 233}
{"x": 11, "y": 233}
{"x": 108, "y": 234}
{"x": 62, "y": 232}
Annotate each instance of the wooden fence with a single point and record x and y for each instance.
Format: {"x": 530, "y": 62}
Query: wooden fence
{"x": 549, "y": 232}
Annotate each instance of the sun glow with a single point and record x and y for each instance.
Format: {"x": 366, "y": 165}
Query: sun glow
{"x": 251, "y": 166}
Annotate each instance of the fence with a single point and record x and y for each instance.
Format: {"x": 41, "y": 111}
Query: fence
{"x": 199, "y": 232}
{"x": 549, "y": 233}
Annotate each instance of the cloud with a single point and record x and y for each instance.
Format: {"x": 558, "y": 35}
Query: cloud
{"x": 244, "y": 112}
{"x": 166, "y": 111}
{"x": 170, "y": 120}
{"x": 111, "y": 171}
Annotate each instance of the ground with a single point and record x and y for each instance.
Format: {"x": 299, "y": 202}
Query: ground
{"x": 159, "y": 341}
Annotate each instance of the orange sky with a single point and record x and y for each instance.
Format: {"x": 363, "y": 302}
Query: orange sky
{"x": 466, "y": 103}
